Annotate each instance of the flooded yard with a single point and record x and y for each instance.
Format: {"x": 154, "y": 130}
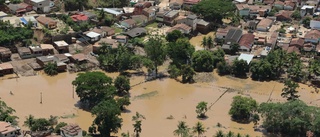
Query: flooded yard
{"x": 196, "y": 41}
{"x": 163, "y": 102}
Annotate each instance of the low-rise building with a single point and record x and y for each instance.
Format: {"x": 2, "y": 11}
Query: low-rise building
{"x": 312, "y": 36}
{"x": 246, "y": 42}
{"x": 315, "y": 24}
{"x": 19, "y": 8}
{"x": 6, "y": 68}
{"x": 5, "y": 54}
{"x": 78, "y": 58}
{"x": 136, "y": 32}
{"x": 167, "y": 17}
{"x": 36, "y": 51}
{"x": 24, "y": 52}
{"x": 150, "y": 13}
{"x": 233, "y": 36}
{"x": 284, "y": 15}
{"x": 264, "y": 25}
{"x": 176, "y": 4}
{"x": 61, "y": 58}
{"x": 43, "y": 60}
{"x": 128, "y": 23}
{"x": 8, "y": 130}
{"x": 47, "y": 49}
{"x": 79, "y": 18}
{"x": 202, "y": 26}
{"x": 93, "y": 36}
{"x": 61, "y": 46}
{"x": 121, "y": 38}
{"x": 71, "y": 130}
{"x": 107, "y": 30}
{"x": 47, "y": 22}
{"x": 141, "y": 20}
{"x": 110, "y": 42}
{"x": 41, "y": 6}
{"x": 185, "y": 29}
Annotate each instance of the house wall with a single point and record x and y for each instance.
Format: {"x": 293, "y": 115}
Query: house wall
{"x": 262, "y": 29}
{"x": 314, "y": 24}
{"x": 5, "y": 57}
{"x": 311, "y": 40}
{"x": 192, "y": 23}
{"x": 26, "y": 55}
{"x": 244, "y": 48}
{"x": 95, "y": 39}
{"x": 42, "y": 4}
{"x": 203, "y": 29}
{"x": 244, "y": 12}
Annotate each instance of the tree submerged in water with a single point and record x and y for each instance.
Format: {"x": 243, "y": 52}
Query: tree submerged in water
{"x": 51, "y": 69}
{"x": 201, "y": 109}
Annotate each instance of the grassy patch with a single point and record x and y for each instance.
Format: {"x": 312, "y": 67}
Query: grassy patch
{"x": 116, "y": 29}
{"x": 68, "y": 116}
{"x": 146, "y": 95}
{"x": 152, "y": 25}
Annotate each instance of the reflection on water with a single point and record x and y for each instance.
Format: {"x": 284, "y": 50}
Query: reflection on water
{"x": 171, "y": 98}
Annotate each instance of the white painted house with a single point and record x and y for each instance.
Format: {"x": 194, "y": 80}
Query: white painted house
{"x": 315, "y": 24}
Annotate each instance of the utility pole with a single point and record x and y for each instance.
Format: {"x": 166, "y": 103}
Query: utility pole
{"x": 72, "y": 91}
{"x": 40, "y": 97}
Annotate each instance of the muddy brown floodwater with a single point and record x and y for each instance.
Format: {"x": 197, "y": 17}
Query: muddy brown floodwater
{"x": 156, "y": 100}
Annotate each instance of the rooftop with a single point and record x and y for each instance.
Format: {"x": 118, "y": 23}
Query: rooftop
{"x": 265, "y": 23}
{"x": 61, "y": 43}
{"x": 71, "y": 129}
{"x": 92, "y": 34}
{"x": 79, "y": 57}
{"x": 111, "y": 11}
{"x": 246, "y": 40}
{"x": 46, "y": 46}
{"x": 171, "y": 13}
{"x": 246, "y": 57}
{"x": 136, "y": 32}
{"x": 4, "y": 126}
{"x": 37, "y": 1}
{"x": 46, "y": 58}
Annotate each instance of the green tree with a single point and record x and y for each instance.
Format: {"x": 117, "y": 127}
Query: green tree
{"x": 290, "y": 90}
{"x": 58, "y": 127}
{"x": 29, "y": 121}
{"x": 219, "y": 133}
{"x": 107, "y": 119}
{"x": 187, "y": 74}
{"x": 223, "y": 68}
{"x": 93, "y": 87}
{"x": 122, "y": 102}
{"x": 199, "y": 129}
{"x": 156, "y": 52}
{"x": 239, "y": 68}
{"x": 122, "y": 85}
{"x": 296, "y": 15}
{"x": 234, "y": 48}
{"x": 51, "y": 69}
{"x": 40, "y": 124}
{"x": 314, "y": 68}
{"x": 137, "y": 128}
{"x": 277, "y": 59}
{"x": 6, "y": 113}
{"x": 204, "y": 42}
{"x": 230, "y": 134}
{"x": 306, "y": 21}
{"x": 209, "y": 42}
{"x": 295, "y": 71}
{"x": 242, "y": 108}
{"x": 182, "y": 130}
{"x": 214, "y": 10}
{"x": 203, "y": 61}
{"x": 261, "y": 70}
{"x": 174, "y": 36}
{"x": 201, "y": 109}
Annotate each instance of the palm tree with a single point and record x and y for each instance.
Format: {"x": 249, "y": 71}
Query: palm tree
{"x": 230, "y": 134}
{"x": 239, "y": 135}
{"x": 219, "y": 134}
{"x": 210, "y": 42}
{"x": 53, "y": 120}
{"x": 204, "y": 42}
{"x": 29, "y": 121}
{"x": 51, "y": 69}
{"x": 199, "y": 129}
{"x": 289, "y": 91}
{"x": 137, "y": 128}
{"x": 182, "y": 130}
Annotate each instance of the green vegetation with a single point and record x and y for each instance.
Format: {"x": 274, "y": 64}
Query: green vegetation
{"x": 180, "y": 52}
{"x": 243, "y": 108}
{"x": 199, "y": 129}
{"x": 122, "y": 85}
{"x": 289, "y": 91}
{"x": 137, "y": 125}
{"x": 81, "y": 26}
{"x": 201, "y": 109}
{"x": 122, "y": 102}
{"x": 306, "y": 21}
{"x": 174, "y": 36}
{"x": 234, "y": 48}
{"x": 214, "y": 10}
{"x": 292, "y": 118}
{"x": 58, "y": 127}
{"x": 6, "y": 113}
{"x": 183, "y": 130}
{"x": 42, "y": 124}
{"x": 10, "y": 34}
{"x": 73, "y": 5}
{"x": 51, "y": 69}
{"x": 203, "y": 61}
{"x": 296, "y": 15}
{"x": 93, "y": 87}
{"x": 239, "y": 68}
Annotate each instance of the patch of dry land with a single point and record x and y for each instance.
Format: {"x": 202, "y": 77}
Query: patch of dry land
{"x": 156, "y": 100}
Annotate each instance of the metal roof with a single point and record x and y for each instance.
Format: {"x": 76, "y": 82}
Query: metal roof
{"x": 92, "y": 34}
{"x": 111, "y": 11}
{"x": 246, "y": 57}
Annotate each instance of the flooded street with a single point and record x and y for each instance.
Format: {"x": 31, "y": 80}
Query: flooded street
{"x": 157, "y": 101}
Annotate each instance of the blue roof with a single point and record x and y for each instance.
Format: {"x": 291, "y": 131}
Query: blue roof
{"x": 24, "y": 21}
{"x": 111, "y": 11}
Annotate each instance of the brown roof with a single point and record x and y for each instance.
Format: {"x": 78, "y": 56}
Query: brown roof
{"x": 246, "y": 40}
{"x": 222, "y": 31}
{"x": 177, "y": 1}
{"x": 313, "y": 34}
{"x": 289, "y": 3}
{"x": 24, "y": 50}
{"x": 106, "y": 28}
{"x": 265, "y": 23}
{"x": 130, "y": 21}
{"x": 268, "y": 1}
{"x": 242, "y": 6}
{"x": 148, "y": 10}
{"x": 4, "y": 126}
{"x": 179, "y": 26}
{"x": 45, "y": 20}
{"x": 279, "y": 3}
{"x": 5, "y": 66}
{"x": 285, "y": 14}
{"x": 79, "y": 57}
{"x": 297, "y": 42}
{"x": 4, "y": 50}
{"x": 46, "y": 46}
{"x": 293, "y": 49}
{"x": 71, "y": 129}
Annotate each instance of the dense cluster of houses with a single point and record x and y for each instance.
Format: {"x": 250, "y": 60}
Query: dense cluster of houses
{"x": 8, "y": 130}
{"x": 259, "y": 33}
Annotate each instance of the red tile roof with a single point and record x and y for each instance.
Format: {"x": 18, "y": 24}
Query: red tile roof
{"x": 246, "y": 40}
{"x": 79, "y": 17}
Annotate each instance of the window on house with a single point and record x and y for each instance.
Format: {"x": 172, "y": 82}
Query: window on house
{"x": 40, "y": 4}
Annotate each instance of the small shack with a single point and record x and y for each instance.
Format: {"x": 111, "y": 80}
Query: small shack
{"x": 47, "y": 49}
{"x": 61, "y": 46}
{"x": 5, "y": 54}
{"x": 6, "y": 68}
{"x": 78, "y": 58}
{"x": 43, "y": 60}
{"x": 36, "y": 51}
{"x": 24, "y": 52}
{"x": 93, "y": 36}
